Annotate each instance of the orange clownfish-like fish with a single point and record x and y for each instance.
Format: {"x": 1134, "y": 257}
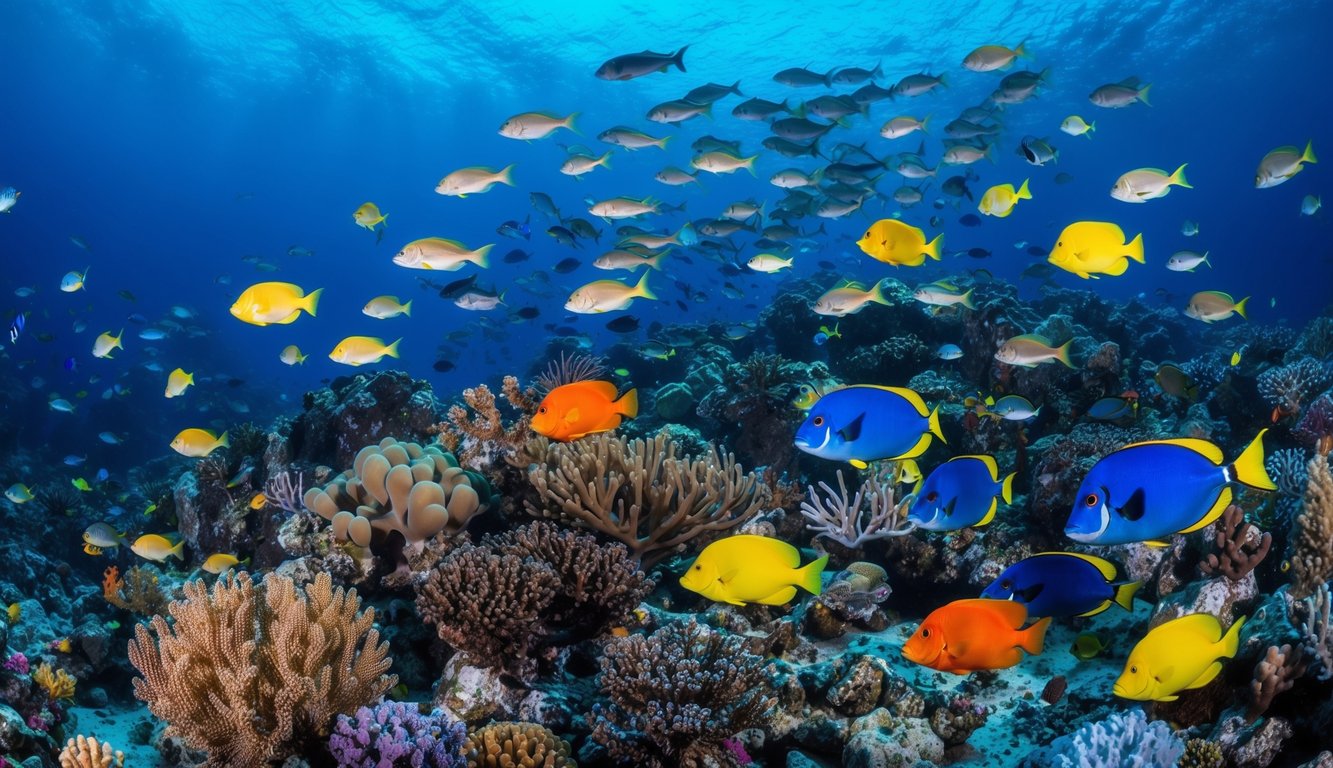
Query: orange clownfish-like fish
{"x": 571, "y": 411}
{"x": 968, "y": 635}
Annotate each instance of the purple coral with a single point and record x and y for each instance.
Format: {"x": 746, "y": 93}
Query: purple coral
{"x": 1290, "y": 387}
{"x": 17, "y": 664}
{"x": 397, "y": 735}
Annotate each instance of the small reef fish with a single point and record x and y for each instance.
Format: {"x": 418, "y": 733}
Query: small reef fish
{"x": 1077, "y": 126}
{"x": 150, "y": 546}
{"x": 1063, "y": 584}
{"x": 274, "y": 303}
{"x": 1281, "y": 164}
{"x": 474, "y": 180}
{"x": 197, "y": 443}
{"x": 607, "y": 296}
{"x": 14, "y": 612}
{"x": 105, "y": 343}
{"x": 1311, "y": 204}
{"x": 536, "y": 125}
{"x": 1092, "y": 248}
{"x": 1121, "y": 94}
{"x": 61, "y": 405}
{"x": 368, "y": 215}
{"x": 9, "y": 197}
{"x": 1189, "y": 228}
{"x": 970, "y": 635}
{"x": 864, "y": 423}
{"x": 441, "y": 254}
{"x": 744, "y": 569}
{"x": 848, "y": 299}
{"x": 291, "y": 355}
{"x": 631, "y": 139}
{"x": 1187, "y": 261}
{"x": 768, "y": 263}
{"x": 385, "y": 307}
{"x": 949, "y": 352}
{"x": 219, "y": 563}
{"x": 632, "y": 65}
{"x": 721, "y": 161}
{"x": 1212, "y": 306}
{"x": 19, "y": 493}
{"x": 74, "y": 281}
{"x": 177, "y": 382}
{"x": 1001, "y": 199}
{"x": 361, "y": 350}
{"x": 1087, "y": 646}
{"x": 943, "y": 295}
{"x": 902, "y": 245}
{"x": 1180, "y": 655}
{"x": 1031, "y": 350}
{"x": 103, "y": 536}
{"x": 1009, "y": 408}
{"x": 1113, "y": 408}
{"x": 1146, "y": 184}
{"x": 1148, "y": 491}
{"x": 963, "y": 492}
{"x": 571, "y": 411}
{"x": 1176, "y": 382}
{"x": 988, "y": 58}
{"x": 578, "y": 164}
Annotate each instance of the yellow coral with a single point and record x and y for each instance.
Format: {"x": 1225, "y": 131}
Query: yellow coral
{"x": 524, "y": 745}
{"x": 87, "y": 752}
{"x": 58, "y": 683}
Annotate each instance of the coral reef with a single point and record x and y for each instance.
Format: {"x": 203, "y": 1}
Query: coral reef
{"x": 397, "y": 735}
{"x": 516, "y": 745}
{"x": 478, "y": 431}
{"x": 1275, "y": 673}
{"x": 87, "y": 752}
{"x": 139, "y": 591}
{"x": 841, "y": 518}
{"x": 1312, "y": 538}
{"x": 1289, "y": 387}
{"x": 1121, "y": 739}
{"x": 1240, "y": 546}
{"x": 252, "y": 674}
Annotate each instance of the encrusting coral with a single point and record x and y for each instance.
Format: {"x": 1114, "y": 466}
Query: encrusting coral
{"x": 252, "y": 675}
{"x": 1240, "y": 546}
{"x": 676, "y": 696}
{"x": 86, "y": 752}
{"x": 1312, "y": 540}
{"x": 641, "y": 493}
{"x": 516, "y": 745}
{"x": 401, "y": 488}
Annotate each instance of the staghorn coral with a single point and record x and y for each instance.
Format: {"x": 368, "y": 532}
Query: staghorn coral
{"x": 477, "y": 431}
{"x": 841, "y": 518}
{"x": 251, "y": 675}
{"x": 58, "y": 684}
{"x": 1275, "y": 673}
{"x": 401, "y": 488}
{"x": 397, "y": 735}
{"x": 641, "y": 493}
{"x": 1312, "y": 538}
{"x": 677, "y": 694}
{"x": 86, "y": 752}
{"x": 1290, "y": 387}
{"x": 516, "y": 745}
{"x": 138, "y": 592}
{"x": 1240, "y": 546}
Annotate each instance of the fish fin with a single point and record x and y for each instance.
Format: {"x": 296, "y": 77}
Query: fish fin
{"x": 967, "y": 299}
{"x": 1153, "y": 543}
{"x": 1007, "y": 488}
{"x": 1062, "y": 353}
{"x": 1023, "y": 192}
{"x": 569, "y": 123}
{"x": 1201, "y": 447}
{"x": 1133, "y": 508}
{"x": 1033, "y": 639}
{"x": 223, "y": 441}
{"x": 1135, "y": 248}
{"x": 641, "y": 288}
{"x": 629, "y": 403}
{"x": 1230, "y": 642}
{"x": 1248, "y": 469}
{"x": 1207, "y": 677}
{"x": 932, "y": 248}
{"x": 1107, "y": 569}
{"x": 990, "y": 515}
{"x": 781, "y": 597}
{"x": 933, "y": 424}
{"x": 506, "y": 175}
{"x": 679, "y": 58}
{"x": 858, "y": 463}
{"x": 1178, "y": 178}
{"x": 852, "y": 431}
{"x": 1240, "y": 307}
{"x": 809, "y": 577}
{"x": 479, "y": 256}
{"x": 1143, "y": 95}
{"x": 988, "y": 461}
{"x": 407, "y": 309}
{"x": 572, "y": 415}
{"x": 392, "y": 349}
{"x": 916, "y": 450}
{"x": 1104, "y": 605}
{"x": 178, "y": 551}
{"x": 1214, "y": 512}
{"x": 1124, "y": 594}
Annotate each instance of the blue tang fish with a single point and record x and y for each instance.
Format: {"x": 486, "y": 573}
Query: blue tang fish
{"x": 866, "y": 422}
{"x": 1063, "y": 584}
{"x": 1148, "y": 491}
{"x": 962, "y": 492}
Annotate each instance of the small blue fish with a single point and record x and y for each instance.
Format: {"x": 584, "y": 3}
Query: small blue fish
{"x": 1113, "y": 408}
{"x": 820, "y": 339}
{"x": 1148, "y": 491}
{"x": 8, "y": 198}
{"x": 1013, "y": 408}
{"x": 102, "y": 475}
{"x": 865, "y": 423}
{"x": 16, "y": 327}
{"x": 71, "y": 364}
{"x": 949, "y": 352}
{"x": 74, "y": 461}
{"x": 961, "y": 493}
{"x": 1063, "y": 584}
{"x": 515, "y": 230}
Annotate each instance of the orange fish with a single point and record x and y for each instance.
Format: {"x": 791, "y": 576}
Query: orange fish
{"x": 968, "y": 635}
{"x": 571, "y": 411}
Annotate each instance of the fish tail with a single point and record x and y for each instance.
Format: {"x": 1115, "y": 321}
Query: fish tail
{"x": 1135, "y": 248}
{"x": 641, "y": 289}
{"x": 877, "y": 295}
{"x": 1206, "y": 261}
{"x": 943, "y": 80}
{"x": 1007, "y": 488}
{"x": 1124, "y": 594}
{"x": 223, "y": 441}
{"x": 967, "y": 299}
{"x": 933, "y": 247}
{"x": 1023, "y": 192}
{"x": 1143, "y": 95}
{"x": 656, "y": 261}
{"x": 178, "y": 551}
{"x": 1240, "y": 307}
{"x": 311, "y": 301}
{"x": 925, "y": 122}
{"x": 605, "y": 162}
{"x": 810, "y": 578}
{"x": 1033, "y": 639}
{"x": 1062, "y": 354}
{"x": 569, "y": 123}
{"x": 749, "y": 165}
{"x": 1306, "y": 157}
{"x": 1022, "y": 50}
{"x": 478, "y": 256}
{"x": 679, "y": 58}
{"x": 1178, "y": 178}
{"x": 736, "y": 88}
{"x": 1091, "y": 127}
{"x": 1230, "y": 642}
{"x": 629, "y": 404}
{"x": 407, "y": 308}
{"x": 661, "y": 144}
{"x": 392, "y": 349}
{"x": 506, "y": 175}
{"x": 1248, "y": 469}
{"x": 933, "y": 424}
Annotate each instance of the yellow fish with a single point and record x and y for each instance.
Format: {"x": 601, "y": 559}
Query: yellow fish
{"x": 368, "y": 216}
{"x": 197, "y": 443}
{"x": 1182, "y": 654}
{"x": 104, "y": 343}
{"x": 19, "y": 493}
{"x": 1092, "y": 248}
{"x": 359, "y": 350}
{"x": 385, "y": 307}
{"x": 274, "y": 303}
{"x": 64, "y": 645}
{"x": 909, "y": 472}
{"x": 15, "y": 613}
{"x": 1235, "y": 358}
{"x": 744, "y": 569}
{"x": 178, "y": 381}
{"x": 150, "y": 546}
{"x": 81, "y": 484}
{"x": 902, "y": 245}
{"x": 221, "y": 562}
{"x": 291, "y": 355}
{"x": 258, "y": 501}
{"x": 607, "y": 296}
{"x": 92, "y": 549}
{"x": 1000, "y": 199}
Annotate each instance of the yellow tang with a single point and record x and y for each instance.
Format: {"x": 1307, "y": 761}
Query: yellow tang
{"x": 368, "y": 215}
{"x": 274, "y": 303}
{"x": 359, "y": 350}
{"x": 221, "y": 562}
{"x": 1092, "y": 248}
{"x": 150, "y": 546}
{"x": 178, "y": 381}
{"x": 902, "y": 245}
{"x": 1000, "y": 199}
{"x": 197, "y": 443}
{"x": 752, "y": 569}
{"x": 1182, "y": 654}
{"x": 291, "y": 355}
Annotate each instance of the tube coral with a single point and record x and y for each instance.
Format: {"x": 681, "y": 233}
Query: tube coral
{"x": 1240, "y": 546}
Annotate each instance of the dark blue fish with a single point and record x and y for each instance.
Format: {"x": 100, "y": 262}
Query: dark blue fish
{"x": 16, "y": 327}
{"x": 1113, "y": 408}
{"x": 70, "y": 364}
{"x": 970, "y": 220}
{"x": 516, "y": 255}
{"x": 961, "y": 493}
{"x": 515, "y": 230}
{"x": 1063, "y": 584}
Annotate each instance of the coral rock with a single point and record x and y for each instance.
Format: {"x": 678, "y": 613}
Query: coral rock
{"x": 880, "y": 740}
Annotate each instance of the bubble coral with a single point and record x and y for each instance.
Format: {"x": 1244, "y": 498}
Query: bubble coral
{"x": 516, "y": 745}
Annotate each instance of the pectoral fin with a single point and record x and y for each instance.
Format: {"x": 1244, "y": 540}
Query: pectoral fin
{"x": 852, "y": 431}
{"x": 1133, "y": 508}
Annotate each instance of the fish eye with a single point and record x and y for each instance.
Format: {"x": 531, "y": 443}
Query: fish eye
{"x": 541, "y": 409}
{"x": 1006, "y": 584}
{"x": 1133, "y": 670}
{"x": 925, "y": 632}
{"x": 1059, "y": 243}
{"x": 932, "y": 496}
{"x": 1091, "y": 500}
{"x": 818, "y": 421}
{"x": 698, "y": 567}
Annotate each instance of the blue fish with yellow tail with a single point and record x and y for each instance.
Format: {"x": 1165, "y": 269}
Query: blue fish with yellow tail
{"x": 1063, "y": 584}
{"x": 962, "y": 492}
{"x": 866, "y": 422}
{"x": 1148, "y": 491}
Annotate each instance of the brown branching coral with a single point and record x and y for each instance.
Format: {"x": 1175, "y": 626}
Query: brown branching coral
{"x": 138, "y": 592}
{"x": 252, "y": 675}
{"x": 516, "y": 745}
{"x": 642, "y": 494}
{"x": 1275, "y": 673}
{"x": 1312, "y": 540}
{"x": 477, "y": 433}
{"x": 87, "y": 752}
{"x": 677, "y": 694}
{"x": 1240, "y": 546}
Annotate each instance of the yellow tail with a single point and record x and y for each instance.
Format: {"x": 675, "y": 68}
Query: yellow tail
{"x": 178, "y": 551}
{"x": 1240, "y": 307}
{"x": 641, "y": 289}
{"x": 1230, "y": 642}
{"x": 1023, "y": 192}
{"x": 629, "y": 404}
{"x": 311, "y": 301}
{"x": 1135, "y": 248}
{"x": 1062, "y": 354}
{"x": 1007, "y": 488}
{"x": 1248, "y": 468}
{"x": 1306, "y": 157}
{"x": 1124, "y": 594}
{"x": 1178, "y": 178}
{"x": 392, "y": 349}
{"x": 933, "y": 247}
{"x": 933, "y": 424}
{"x": 222, "y": 442}
{"x": 810, "y": 578}
{"x": 478, "y": 256}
